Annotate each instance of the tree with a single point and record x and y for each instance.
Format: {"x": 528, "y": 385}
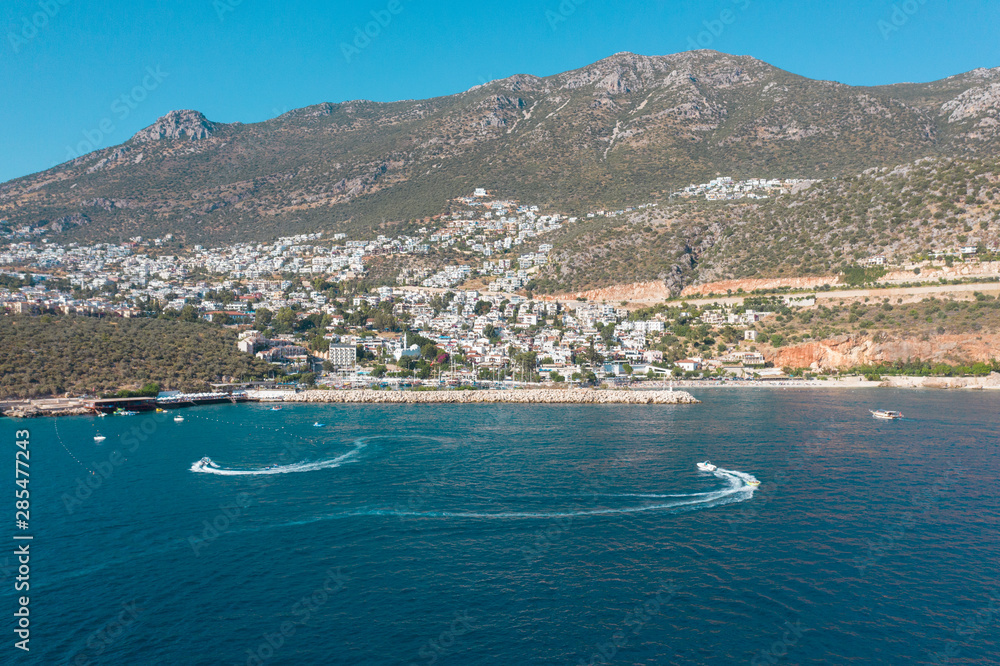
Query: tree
{"x": 189, "y": 313}
{"x": 482, "y": 307}
{"x": 284, "y": 321}
{"x": 979, "y": 369}
{"x": 490, "y": 332}
{"x": 262, "y": 318}
{"x": 379, "y": 371}
{"x": 556, "y": 377}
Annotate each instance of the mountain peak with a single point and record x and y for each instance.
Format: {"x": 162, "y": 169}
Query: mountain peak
{"x": 179, "y": 124}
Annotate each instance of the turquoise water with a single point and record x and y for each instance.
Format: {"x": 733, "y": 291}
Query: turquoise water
{"x": 520, "y": 534}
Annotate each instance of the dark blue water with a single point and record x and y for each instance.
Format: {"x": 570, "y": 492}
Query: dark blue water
{"x": 549, "y": 534}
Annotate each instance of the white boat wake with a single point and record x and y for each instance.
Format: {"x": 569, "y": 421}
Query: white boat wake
{"x": 739, "y": 488}
{"x": 208, "y": 466}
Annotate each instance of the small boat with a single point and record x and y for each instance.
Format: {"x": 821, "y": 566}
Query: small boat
{"x": 707, "y": 466}
{"x": 125, "y": 412}
{"x": 160, "y": 409}
{"x": 101, "y": 415}
{"x": 275, "y": 409}
{"x": 178, "y": 419}
{"x": 99, "y": 438}
{"x": 885, "y": 414}
{"x": 753, "y": 482}
{"x": 317, "y": 424}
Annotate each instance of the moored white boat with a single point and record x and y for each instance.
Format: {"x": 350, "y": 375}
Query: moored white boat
{"x": 887, "y": 414}
{"x": 178, "y": 419}
{"x": 99, "y": 438}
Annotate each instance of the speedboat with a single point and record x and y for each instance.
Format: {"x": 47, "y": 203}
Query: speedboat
{"x": 317, "y": 424}
{"x": 885, "y": 414}
{"x": 707, "y": 466}
{"x": 276, "y": 409}
{"x": 99, "y": 438}
{"x": 178, "y": 419}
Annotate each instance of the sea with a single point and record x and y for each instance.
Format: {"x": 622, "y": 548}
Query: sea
{"x": 513, "y": 534}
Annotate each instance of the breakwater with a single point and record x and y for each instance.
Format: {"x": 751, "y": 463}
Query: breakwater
{"x": 526, "y": 396}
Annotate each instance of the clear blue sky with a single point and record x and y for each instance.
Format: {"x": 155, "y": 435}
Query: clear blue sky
{"x": 247, "y": 60}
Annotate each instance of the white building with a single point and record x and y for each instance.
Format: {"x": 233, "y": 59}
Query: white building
{"x": 343, "y": 356}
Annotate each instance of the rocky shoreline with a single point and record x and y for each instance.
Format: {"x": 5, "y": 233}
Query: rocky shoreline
{"x": 527, "y": 396}
{"x": 28, "y": 412}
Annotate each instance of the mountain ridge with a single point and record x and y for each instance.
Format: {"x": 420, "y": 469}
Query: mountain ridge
{"x": 626, "y": 128}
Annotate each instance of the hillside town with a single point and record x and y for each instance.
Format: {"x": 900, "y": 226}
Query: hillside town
{"x": 724, "y": 188}
{"x": 300, "y": 302}
{"x": 305, "y": 303}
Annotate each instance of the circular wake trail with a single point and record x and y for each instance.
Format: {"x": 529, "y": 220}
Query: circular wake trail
{"x": 207, "y": 466}
{"x": 738, "y": 490}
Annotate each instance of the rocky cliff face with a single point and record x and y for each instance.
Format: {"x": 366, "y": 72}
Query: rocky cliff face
{"x": 183, "y": 124}
{"x": 847, "y": 351}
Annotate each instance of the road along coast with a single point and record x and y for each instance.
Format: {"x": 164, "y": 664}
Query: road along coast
{"x": 526, "y": 396}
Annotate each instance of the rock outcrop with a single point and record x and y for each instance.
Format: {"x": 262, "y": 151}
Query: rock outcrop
{"x": 846, "y": 351}
{"x": 183, "y": 124}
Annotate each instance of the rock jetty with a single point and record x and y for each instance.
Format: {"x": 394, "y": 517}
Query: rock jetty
{"x": 527, "y": 396}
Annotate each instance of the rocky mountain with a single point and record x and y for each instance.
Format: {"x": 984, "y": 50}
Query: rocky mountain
{"x": 627, "y": 128}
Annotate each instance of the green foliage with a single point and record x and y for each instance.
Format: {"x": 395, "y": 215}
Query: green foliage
{"x": 88, "y": 355}
{"x": 857, "y": 276}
